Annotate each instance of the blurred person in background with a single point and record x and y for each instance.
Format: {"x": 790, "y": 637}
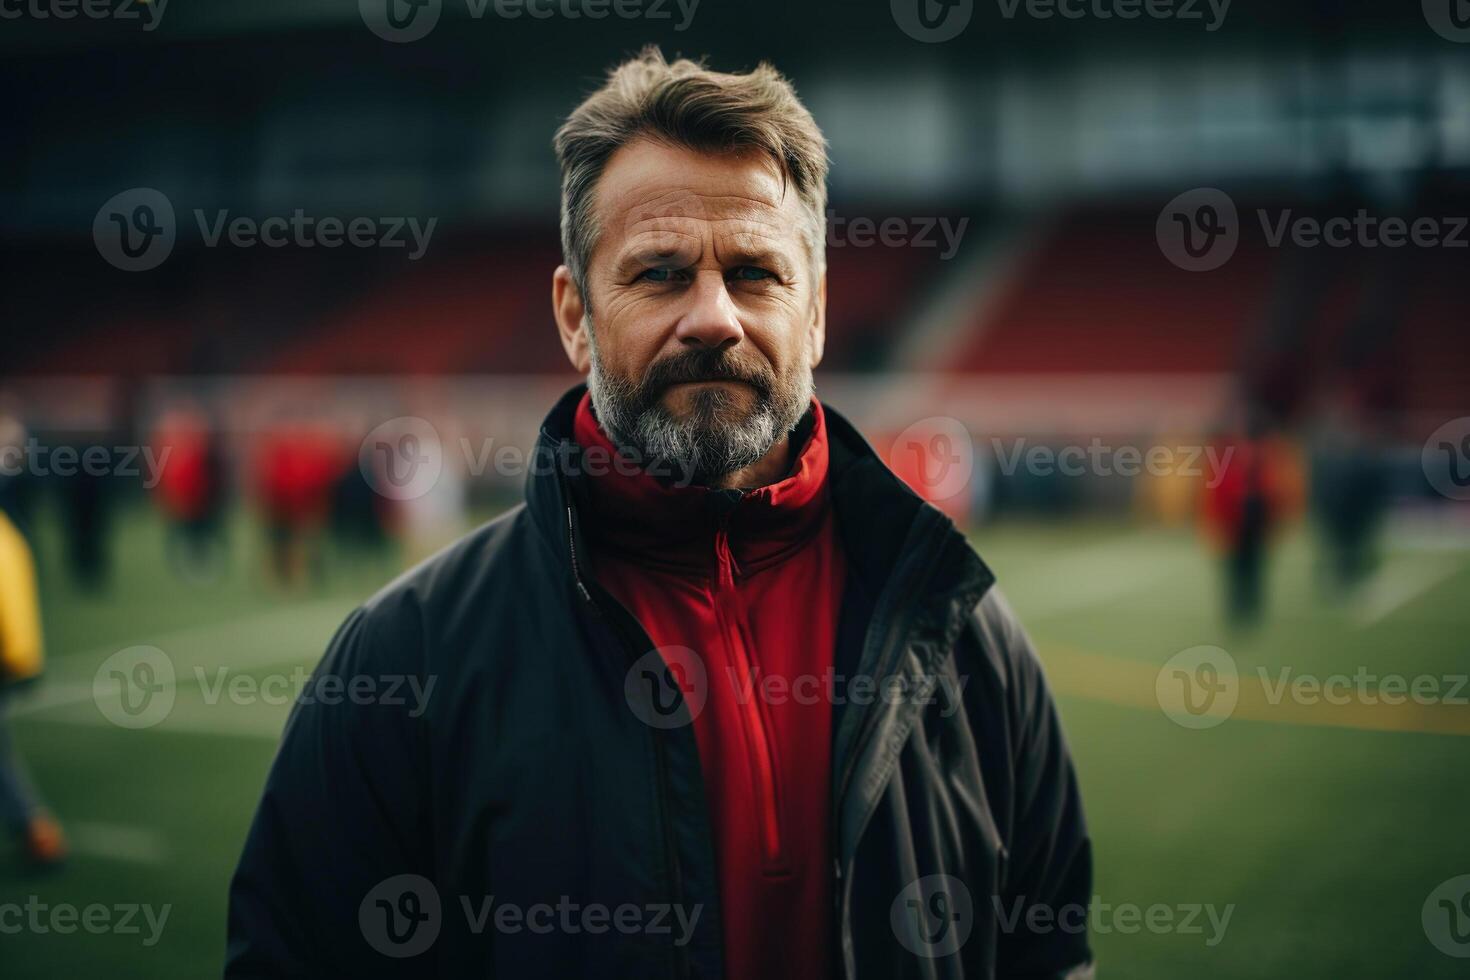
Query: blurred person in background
{"x": 296, "y": 466}
{"x": 191, "y": 491}
{"x": 360, "y": 516}
{"x": 20, "y": 663}
{"x": 17, "y": 488}
{"x": 1241, "y": 513}
{"x": 692, "y": 512}
{"x": 88, "y": 496}
{"x": 1350, "y": 492}
{"x": 1364, "y": 389}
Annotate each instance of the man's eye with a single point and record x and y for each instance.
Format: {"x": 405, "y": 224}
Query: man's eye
{"x": 750, "y": 273}
{"x": 656, "y": 275}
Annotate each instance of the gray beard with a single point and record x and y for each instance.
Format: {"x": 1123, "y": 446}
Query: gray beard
{"x": 717, "y": 437}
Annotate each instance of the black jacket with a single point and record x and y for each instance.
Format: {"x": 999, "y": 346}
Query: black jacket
{"x": 476, "y": 827}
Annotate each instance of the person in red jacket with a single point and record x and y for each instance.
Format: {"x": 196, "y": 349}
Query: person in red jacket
{"x": 1243, "y": 509}
{"x": 694, "y": 298}
{"x": 296, "y": 466}
{"x": 190, "y": 491}
{"x": 753, "y": 578}
{"x": 722, "y": 667}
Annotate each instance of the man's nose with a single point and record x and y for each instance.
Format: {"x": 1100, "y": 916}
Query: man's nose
{"x": 710, "y": 319}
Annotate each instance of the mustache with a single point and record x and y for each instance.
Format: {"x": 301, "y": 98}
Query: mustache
{"x": 706, "y": 364}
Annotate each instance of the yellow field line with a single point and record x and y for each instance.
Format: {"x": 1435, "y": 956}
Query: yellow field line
{"x": 1131, "y": 683}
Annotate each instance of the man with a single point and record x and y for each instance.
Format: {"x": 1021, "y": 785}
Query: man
{"x": 723, "y": 698}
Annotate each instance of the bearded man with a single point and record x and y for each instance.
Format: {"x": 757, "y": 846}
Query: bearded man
{"x": 723, "y": 698}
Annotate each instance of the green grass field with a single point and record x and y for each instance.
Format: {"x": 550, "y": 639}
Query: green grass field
{"x": 1322, "y": 829}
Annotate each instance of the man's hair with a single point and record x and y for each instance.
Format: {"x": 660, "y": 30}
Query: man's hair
{"x": 685, "y": 104}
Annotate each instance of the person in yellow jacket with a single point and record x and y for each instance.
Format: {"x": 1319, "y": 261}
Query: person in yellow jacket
{"x": 21, "y": 660}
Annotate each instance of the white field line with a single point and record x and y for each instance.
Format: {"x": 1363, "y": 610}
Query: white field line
{"x": 48, "y": 697}
{"x": 115, "y": 842}
{"x": 194, "y": 637}
{"x": 1395, "y": 588}
{"x": 263, "y": 724}
{"x": 66, "y": 685}
{"x": 1101, "y": 572}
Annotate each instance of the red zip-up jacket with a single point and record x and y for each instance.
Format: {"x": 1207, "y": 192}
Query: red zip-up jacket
{"x": 752, "y": 583}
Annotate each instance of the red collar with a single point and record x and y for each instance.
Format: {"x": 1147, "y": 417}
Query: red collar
{"x": 667, "y": 525}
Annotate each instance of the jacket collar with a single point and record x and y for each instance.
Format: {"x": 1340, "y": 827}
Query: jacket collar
{"x": 879, "y": 519}
{"x": 669, "y": 523}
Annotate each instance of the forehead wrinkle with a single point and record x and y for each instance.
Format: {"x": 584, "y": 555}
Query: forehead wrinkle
{"x": 642, "y": 202}
{"x": 754, "y": 243}
{"x": 746, "y": 236}
{"x": 688, "y": 225}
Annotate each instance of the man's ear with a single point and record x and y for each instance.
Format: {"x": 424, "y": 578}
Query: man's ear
{"x": 571, "y": 319}
{"x": 817, "y": 330}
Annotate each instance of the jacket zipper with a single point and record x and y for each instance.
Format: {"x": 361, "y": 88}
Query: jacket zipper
{"x": 893, "y": 632}
{"x": 755, "y": 732}
{"x": 660, "y": 751}
{"x": 576, "y": 568}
